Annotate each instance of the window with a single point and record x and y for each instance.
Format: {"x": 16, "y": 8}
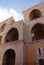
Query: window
{"x": 12, "y": 35}
{"x": 38, "y": 31}
{"x": 9, "y": 57}
{"x": 39, "y": 51}
{"x": 35, "y": 14}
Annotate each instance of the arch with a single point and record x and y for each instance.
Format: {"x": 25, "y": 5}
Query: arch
{"x": 35, "y": 13}
{"x": 0, "y": 38}
{"x": 9, "y": 57}
{"x": 38, "y": 31}
{"x": 2, "y": 27}
{"x": 41, "y": 62}
{"x": 12, "y": 35}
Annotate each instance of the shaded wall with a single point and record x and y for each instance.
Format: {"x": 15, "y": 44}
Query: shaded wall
{"x": 31, "y": 53}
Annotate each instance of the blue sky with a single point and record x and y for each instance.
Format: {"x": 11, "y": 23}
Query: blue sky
{"x": 18, "y": 5}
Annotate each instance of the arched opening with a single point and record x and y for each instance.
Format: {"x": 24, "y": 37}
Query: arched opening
{"x": 35, "y": 14}
{"x": 2, "y": 27}
{"x": 9, "y": 57}
{"x": 41, "y": 62}
{"x": 12, "y": 35}
{"x": 0, "y": 39}
{"x": 38, "y": 31}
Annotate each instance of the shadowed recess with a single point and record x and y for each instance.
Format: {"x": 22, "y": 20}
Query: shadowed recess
{"x": 38, "y": 31}
{"x": 9, "y": 57}
{"x": 12, "y": 35}
{"x": 35, "y": 14}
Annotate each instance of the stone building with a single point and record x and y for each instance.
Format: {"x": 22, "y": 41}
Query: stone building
{"x": 22, "y": 42}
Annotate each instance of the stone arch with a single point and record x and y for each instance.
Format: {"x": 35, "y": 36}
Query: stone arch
{"x": 38, "y": 31}
{"x": 41, "y": 62}
{"x": 0, "y": 38}
{"x": 2, "y": 27}
{"x": 35, "y": 13}
{"x": 9, "y": 57}
{"x": 12, "y": 35}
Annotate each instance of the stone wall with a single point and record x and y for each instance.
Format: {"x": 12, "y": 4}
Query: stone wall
{"x": 17, "y": 46}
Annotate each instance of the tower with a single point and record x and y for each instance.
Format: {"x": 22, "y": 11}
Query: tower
{"x": 34, "y": 34}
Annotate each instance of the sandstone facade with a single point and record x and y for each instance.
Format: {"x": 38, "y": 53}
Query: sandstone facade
{"x": 22, "y": 42}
